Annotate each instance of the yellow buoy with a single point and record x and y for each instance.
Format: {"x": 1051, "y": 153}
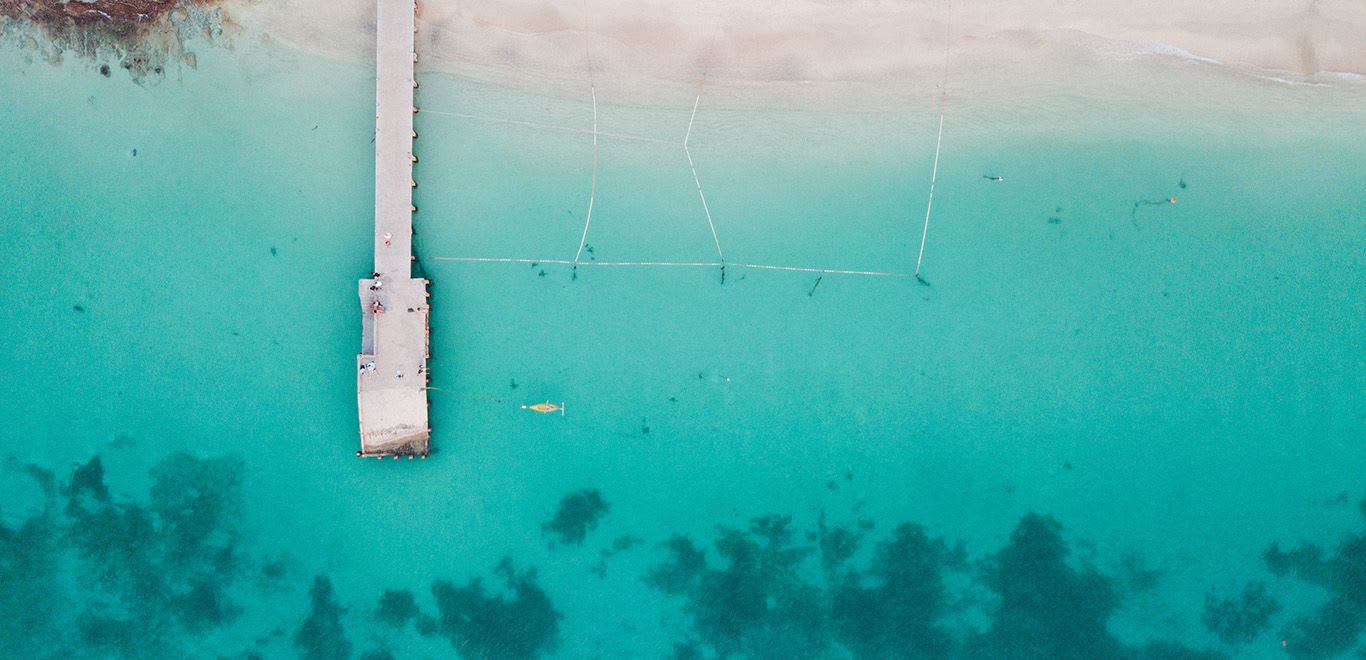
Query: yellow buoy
{"x": 546, "y": 407}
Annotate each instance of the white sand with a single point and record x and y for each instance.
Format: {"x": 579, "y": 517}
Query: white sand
{"x": 814, "y": 40}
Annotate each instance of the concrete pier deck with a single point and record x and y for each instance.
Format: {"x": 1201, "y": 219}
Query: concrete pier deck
{"x": 391, "y": 370}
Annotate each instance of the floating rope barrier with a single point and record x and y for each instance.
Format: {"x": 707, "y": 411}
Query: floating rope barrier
{"x": 939, "y": 139}
{"x": 674, "y": 264}
{"x": 929, "y": 205}
{"x": 697, "y": 182}
{"x": 695, "y": 179}
{"x": 593, "y": 189}
{"x": 593, "y": 186}
{"x": 553, "y": 127}
{"x": 829, "y": 271}
{"x": 1133, "y": 214}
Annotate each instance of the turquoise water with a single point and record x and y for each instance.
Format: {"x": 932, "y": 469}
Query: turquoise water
{"x": 1175, "y": 387}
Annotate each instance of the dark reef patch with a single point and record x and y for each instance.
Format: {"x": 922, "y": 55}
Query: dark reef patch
{"x": 121, "y": 577}
{"x": 686, "y": 562}
{"x": 624, "y": 542}
{"x": 1048, "y": 608}
{"x": 273, "y": 570}
{"x": 896, "y": 608}
{"x": 492, "y": 625}
{"x": 397, "y": 607}
{"x": 187, "y": 498}
{"x": 107, "y": 634}
{"x": 29, "y": 606}
{"x": 620, "y": 544}
{"x": 685, "y": 651}
{"x": 577, "y": 515}
{"x": 95, "y": 573}
{"x": 837, "y": 544}
{"x": 757, "y": 602}
{"x": 204, "y": 606}
{"x": 1137, "y": 576}
{"x": 87, "y": 480}
{"x": 166, "y": 567}
{"x": 1334, "y": 629}
{"x": 321, "y": 636}
{"x": 1240, "y": 619}
{"x": 764, "y": 595}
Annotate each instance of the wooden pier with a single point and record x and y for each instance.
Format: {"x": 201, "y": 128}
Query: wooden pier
{"x": 391, "y": 376}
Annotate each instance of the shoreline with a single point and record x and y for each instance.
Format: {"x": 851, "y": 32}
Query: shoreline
{"x": 804, "y": 54}
{"x": 1042, "y": 77}
{"x": 768, "y": 41}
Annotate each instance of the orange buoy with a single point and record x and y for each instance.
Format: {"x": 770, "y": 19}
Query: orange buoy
{"x": 1171, "y": 200}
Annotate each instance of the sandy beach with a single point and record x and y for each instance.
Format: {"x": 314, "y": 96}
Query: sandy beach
{"x": 793, "y": 53}
{"x": 804, "y": 40}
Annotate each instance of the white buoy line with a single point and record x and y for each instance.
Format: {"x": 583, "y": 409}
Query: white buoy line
{"x": 592, "y": 195}
{"x": 551, "y": 127}
{"x": 939, "y": 138}
{"x": 672, "y": 264}
{"x": 706, "y": 209}
{"x": 698, "y": 182}
{"x": 593, "y": 190}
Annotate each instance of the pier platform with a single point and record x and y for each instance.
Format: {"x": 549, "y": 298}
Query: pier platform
{"x": 391, "y": 369}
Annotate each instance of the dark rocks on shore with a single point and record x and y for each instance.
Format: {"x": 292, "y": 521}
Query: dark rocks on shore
{"x": 144, "y": 36}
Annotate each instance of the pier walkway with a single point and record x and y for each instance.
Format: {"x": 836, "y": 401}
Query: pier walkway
{"x": 391, "y": 377}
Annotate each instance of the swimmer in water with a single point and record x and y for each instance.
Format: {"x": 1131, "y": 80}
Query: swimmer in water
{"x": 993, "y": 177}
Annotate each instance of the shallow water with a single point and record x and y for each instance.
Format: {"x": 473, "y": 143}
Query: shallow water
{"x": 1178, "y": 385}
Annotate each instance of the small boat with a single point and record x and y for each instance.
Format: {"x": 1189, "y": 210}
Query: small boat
{"x": 546, "y": 407}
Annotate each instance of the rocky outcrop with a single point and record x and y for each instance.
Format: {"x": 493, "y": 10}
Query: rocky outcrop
{"x": 143, "y": 37}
